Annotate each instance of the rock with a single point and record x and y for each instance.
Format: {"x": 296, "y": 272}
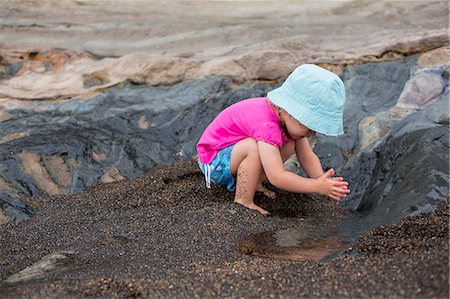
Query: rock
{"x": 4, "y": 116}
{"x": 32, "y": 165}
{"x": 48, "y": 265}
{"x": 411, "y": 171}
{"x": 373, "y": 130}
{"x": 98, "y": 157}
{"x": 420, "y": 43}
{"x": 15, "y": 210}
{"x": 141, "y": 68}
{"x": 4, "y": 184}
{"x": 421, "y": 90}
{"x": 82, "y": 76}
{"x": 429, "y": 117}
{"x": 221, "y": 66}
{"x": 47, "y": 61}
{"x": 330, "y": 30}
{"x": 14, "y": 136}
{"x": 422, "y": 157}
{"x": 112, "y": 175}
{"x": 59, "y": 171}
{"x": 434, "y": 58}
{"x": 277, "y": 64}
{"x": 3, "y": 218}
{"x": 87, "y": 56}
{"x": 143, "y": 123}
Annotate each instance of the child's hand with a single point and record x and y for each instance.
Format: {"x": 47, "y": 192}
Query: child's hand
{"x": 334, "y": 187}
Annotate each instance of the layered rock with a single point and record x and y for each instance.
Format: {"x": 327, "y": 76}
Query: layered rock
{"x": 54, "y": 147}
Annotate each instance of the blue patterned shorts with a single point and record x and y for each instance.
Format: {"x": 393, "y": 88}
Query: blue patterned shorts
{"x": 218, "y": 171}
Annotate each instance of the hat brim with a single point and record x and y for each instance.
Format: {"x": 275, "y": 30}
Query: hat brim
{"x": 323, "y": 122}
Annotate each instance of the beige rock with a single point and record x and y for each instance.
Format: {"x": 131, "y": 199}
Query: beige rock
{"x": 99, "y": 156}
{"x": 267, "y": 65}
{"x": 73, "y": 164}
{"x": 46, "y": 266}
{"x": 148, "y": 69}
{"x": 374, "y": 129}
{"x": 420, "y": 43}
{"x": 112, "y": 175}
{"x": 47, "y": 60}
{"x": 143, "y": 123}
{"x": 14, "y": 136}
{"x": 420, "y": 91}
{"x": 221, "y": 66}
{"x": 32, "y": 165}
{"x": 337, "y": 69}
{"x": 45, "y": 85}
{"x": 59, "y": 171}
{"x": 4, "y": 184}
{"x": 4, "y": 116}
{"x": 4, "y": 219}
{"x": 85, "y": 75}
{"x": 437, "y": 57}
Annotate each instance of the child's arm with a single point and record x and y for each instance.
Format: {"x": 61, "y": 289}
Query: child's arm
{"x": 289, "y": 181}
{"x": 307, "y": 158}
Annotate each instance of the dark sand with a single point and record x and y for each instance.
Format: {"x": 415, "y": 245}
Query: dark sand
{"x": 166, "y": 235}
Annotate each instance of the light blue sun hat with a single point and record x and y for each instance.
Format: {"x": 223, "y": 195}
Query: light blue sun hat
{"x": 313, "y": 96}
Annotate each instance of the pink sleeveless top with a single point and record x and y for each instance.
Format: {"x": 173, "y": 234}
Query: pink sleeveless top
{"x": 253, "y": 118}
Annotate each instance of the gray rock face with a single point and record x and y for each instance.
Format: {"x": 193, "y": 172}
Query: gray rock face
{"x": 370, "y": 88}
{"x": 408, "y": 171}
{"x": 403, "y": 175}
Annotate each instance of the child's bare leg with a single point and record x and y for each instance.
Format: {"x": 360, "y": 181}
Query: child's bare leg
{"x": 246, "y": 164}
{"x": 286, "y": 151}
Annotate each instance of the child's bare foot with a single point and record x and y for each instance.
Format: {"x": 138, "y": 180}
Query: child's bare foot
{"x": 267, "y": 192}
{"x": 252, "y": 206}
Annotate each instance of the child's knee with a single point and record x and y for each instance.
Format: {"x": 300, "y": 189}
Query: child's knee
{"x": 243, "y": 150}
{"x": 247, "y": 146}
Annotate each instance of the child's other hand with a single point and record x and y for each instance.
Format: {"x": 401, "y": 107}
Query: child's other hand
{"x": 333, "y": 187}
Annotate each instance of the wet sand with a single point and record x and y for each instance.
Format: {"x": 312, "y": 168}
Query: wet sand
{"x": 166, "y": 235}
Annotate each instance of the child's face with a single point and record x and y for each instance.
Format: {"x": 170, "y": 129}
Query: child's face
{"x": 295, "y": 129}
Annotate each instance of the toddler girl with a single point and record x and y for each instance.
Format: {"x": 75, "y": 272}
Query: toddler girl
{"x": 249, "y": 141}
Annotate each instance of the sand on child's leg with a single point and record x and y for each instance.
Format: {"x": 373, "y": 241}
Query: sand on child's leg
{"x": 246, "y": 187}
{"x": 246, "y": 164}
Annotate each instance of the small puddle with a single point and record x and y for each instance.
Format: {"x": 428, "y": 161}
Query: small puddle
{"x": 307, "y": 241}
{"x": 295, "y": 243}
